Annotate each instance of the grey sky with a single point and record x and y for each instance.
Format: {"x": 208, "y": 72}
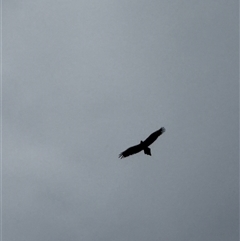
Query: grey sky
{"x": 84, "y": 80}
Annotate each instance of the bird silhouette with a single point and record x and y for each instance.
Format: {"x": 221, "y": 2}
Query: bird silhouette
{"x": 143, "y": 145}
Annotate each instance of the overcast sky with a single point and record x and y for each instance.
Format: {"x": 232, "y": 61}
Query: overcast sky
{"x": 83, "y": 81}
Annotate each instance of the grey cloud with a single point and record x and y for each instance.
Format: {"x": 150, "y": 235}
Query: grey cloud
{"x": 82, "y": 80}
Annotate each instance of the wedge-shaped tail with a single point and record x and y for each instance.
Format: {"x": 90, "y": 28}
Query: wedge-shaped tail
{"x": 147, "y": 151}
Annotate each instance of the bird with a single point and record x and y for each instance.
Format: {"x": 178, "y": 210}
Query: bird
{"x": 143, "y": 145}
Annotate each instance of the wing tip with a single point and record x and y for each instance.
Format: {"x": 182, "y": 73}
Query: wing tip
{"x": 121, "y": 156}
{"x": 163, "y": 129}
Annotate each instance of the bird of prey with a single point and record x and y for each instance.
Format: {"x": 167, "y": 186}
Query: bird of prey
{"x": 143, "y": 145}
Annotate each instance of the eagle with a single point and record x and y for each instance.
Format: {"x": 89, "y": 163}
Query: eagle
{"x": 143, "y": 145}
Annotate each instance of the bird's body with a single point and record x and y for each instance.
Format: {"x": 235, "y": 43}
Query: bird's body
{"x": 143, "y": 145}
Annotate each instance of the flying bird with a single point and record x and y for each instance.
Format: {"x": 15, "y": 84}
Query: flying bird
{"x": 143, "y": 145}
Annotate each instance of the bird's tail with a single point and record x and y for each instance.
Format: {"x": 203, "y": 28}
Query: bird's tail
{"x": 147, "y": 151}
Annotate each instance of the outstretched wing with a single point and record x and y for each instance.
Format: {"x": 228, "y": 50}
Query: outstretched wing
{"x": 130, "y": 151}
{"x": 153, "y": 137}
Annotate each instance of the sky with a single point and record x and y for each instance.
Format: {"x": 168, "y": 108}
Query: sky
{"x": 84, "y": 80}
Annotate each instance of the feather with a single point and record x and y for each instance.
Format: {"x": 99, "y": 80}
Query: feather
{"x": 153, "y": 137}
{"x": 131, "y": 151}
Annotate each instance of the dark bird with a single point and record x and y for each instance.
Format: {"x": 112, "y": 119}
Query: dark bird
{"x": 143, "y": 145}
